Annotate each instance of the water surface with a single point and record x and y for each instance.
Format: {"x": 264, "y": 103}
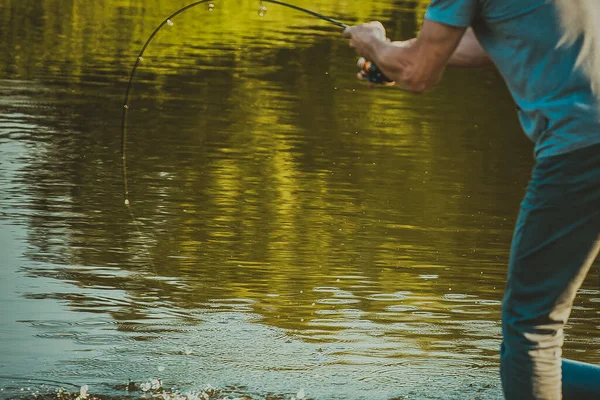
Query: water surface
{"x": 290, "y": 229}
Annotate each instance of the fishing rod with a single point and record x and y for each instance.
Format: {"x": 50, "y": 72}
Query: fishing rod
{"x": 371, "y": 72}
{"x": 168, "y": 21}
{"x": 304, "y": 10}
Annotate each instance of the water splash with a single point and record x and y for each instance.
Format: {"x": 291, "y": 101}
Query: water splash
{"x": 83, "y": 393}
{"x": 170, "y": 23}
{"x": 64, "y": 394}
{"x": 154, "y": 385}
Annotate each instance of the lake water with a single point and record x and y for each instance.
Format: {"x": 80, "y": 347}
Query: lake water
{"x": 291, "y": 231}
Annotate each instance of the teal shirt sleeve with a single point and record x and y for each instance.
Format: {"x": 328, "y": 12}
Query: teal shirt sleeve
{"x": 459, "y": 13}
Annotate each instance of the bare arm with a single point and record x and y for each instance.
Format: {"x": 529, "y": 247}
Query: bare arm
{"x": 417, "y": 65}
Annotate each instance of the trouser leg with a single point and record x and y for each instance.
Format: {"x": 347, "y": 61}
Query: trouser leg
{"x": 555, "y": 242}
{"x": 580, "y": 381}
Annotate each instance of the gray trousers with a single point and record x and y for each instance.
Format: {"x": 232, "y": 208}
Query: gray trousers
{"x": 556, "y": 239}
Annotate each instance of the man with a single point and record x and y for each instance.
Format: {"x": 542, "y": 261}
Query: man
{"x": 557, "y": 235}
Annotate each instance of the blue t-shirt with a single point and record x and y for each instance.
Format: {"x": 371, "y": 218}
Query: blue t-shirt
{"x": 557, "y": 108}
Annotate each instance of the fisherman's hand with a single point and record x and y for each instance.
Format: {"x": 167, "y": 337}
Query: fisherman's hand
{"x": 363, "y": 36}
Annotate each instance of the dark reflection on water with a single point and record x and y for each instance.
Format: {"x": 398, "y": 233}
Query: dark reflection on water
{"x": 292, "y": 229}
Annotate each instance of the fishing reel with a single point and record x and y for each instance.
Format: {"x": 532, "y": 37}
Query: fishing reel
{"x": 370, "y": 72}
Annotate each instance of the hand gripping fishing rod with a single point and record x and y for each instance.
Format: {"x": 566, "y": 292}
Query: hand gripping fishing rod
{"x": 369, "y": 70}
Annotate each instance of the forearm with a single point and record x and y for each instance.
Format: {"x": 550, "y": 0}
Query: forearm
{"x": 397, "y": 57}
{"x": 416, "y": 64}
{"x": 403, "y": 62}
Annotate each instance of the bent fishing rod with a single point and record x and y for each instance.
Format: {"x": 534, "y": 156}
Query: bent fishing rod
{"x": 370, "y": 70}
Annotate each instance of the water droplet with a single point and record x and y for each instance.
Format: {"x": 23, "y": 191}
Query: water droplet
{"x": 262, "y": 10}
{"x": 170, "y": 23}
{"x": 211, "y": 6}
{"x": 141, "y": 59}
{"x": 126, "y": 202}
{"x": 126, "y": 107}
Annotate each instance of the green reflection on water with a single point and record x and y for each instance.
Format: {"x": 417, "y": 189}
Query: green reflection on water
{"x": 265, "y": 181}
